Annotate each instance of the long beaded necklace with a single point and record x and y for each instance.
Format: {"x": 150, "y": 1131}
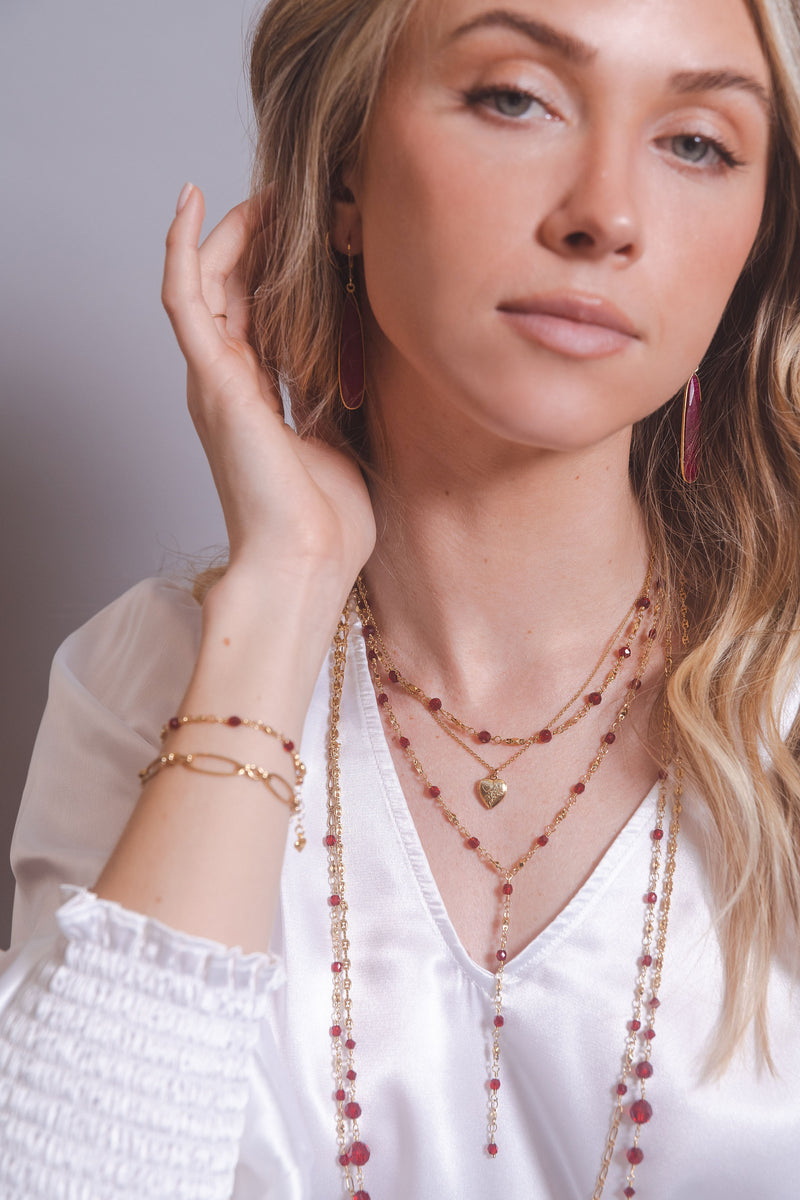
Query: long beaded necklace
{"x": 493, "y": 788}
{"x": 353, "y": 1152}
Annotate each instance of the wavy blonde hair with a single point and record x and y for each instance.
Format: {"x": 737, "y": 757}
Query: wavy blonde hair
{"x": 732, "y": 539}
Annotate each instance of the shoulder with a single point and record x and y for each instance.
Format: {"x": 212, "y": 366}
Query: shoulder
{"x": 139, "y": 648}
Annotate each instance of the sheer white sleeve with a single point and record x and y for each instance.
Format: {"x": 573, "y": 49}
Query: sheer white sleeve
{"x": 126, "y": 1049}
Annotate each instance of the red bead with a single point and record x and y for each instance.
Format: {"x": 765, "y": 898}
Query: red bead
{"x": 434, "y": 791}
{"x": 501, "y": 956}
{"x": 352, "y": 1110}
{"x": 334, "y": 901}
{"x": 484, "y": 736}
{"x": 507, "y": 889}
{"x": 372, "y": 655}
{"x": 652, "y": 634}
{"x": 350, "y": 1044}
{"x": 335, "y": 1030}
{"x": 369, "y": 631}
{"x": 641, "y": 1112}
{"x": 405, "y": 743}
{"x": 624, "y": 652}
{"x": 578, "y": 789}
{"x": 336, "y": 967}
{"x": 492, "y": 1149}
{"x": 662, "y": 774}
{"x": 650, "y": 1034}
{"x": 494, "y": 1084}
{"x": 544, "y": 735}
{"x": 636, "y": 684}
{"x": 330, "y": 839}
{"x": 629, "y": 1191}
{"x": 657, "y": 835}
{"x": 361, "y": 1195}
{"x": 473, "y": 843}
{"x": 288, "y": 746}
{"x": 351, "y": 1075}
{"x": 359, "y": 1153}
{"x": 174, "y": 723}
{"x": 610, "y": 738}
{"x": 647, "y": 960}
{"x": 643, "y": 1070}
{"x": 643, "y": 602}
{"x": 634, "y": 1156}
{"x": 434, "y": 704}
{"x": 651, "y": 897}
{"x": 594, "y": 698}
{"x": 344, "y": 1159}
{"x": 393, "y": 677}
{"x": 655, "y": 1002}
{"x": 543, "y": 840}
{"x": 234, "y": 721}
{"x": 340, "y": 1094}
{"x": 621, "y": 1089}
{"x": 635, "y": 1025}
{"x": 499, "y": 1022}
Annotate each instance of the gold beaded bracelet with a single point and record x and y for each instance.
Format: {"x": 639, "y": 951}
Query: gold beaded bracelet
{"x": 175, "y": 723}
{"x": 280, "y": 788}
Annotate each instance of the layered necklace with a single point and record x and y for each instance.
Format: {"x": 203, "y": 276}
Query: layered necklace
{"x": 493, "y": 788}
{"x": 636, "y": 1069}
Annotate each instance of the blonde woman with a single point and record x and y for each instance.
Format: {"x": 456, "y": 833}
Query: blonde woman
{"x": 527, "y": 277}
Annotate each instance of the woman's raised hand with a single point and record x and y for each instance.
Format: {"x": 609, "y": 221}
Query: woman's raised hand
{"x": 290, "y": 504}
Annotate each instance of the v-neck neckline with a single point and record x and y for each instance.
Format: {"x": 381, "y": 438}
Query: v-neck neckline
{"x": 561, "y": 926}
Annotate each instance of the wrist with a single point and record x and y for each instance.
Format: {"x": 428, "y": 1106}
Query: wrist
{"x": 263, "y": 644}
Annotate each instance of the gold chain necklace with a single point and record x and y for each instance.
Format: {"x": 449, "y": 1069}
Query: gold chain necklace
{"x": 353, "y": 1152}
{"x": 493, "y": 788}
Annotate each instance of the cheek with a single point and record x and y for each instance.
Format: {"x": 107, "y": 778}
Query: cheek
{"x": 695, "y": 259}
{"x": 431, "y": 222}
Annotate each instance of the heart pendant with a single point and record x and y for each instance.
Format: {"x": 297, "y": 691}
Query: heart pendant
{"x": 491, "y": 791}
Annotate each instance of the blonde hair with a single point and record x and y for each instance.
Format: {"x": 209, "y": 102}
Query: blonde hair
{"x": 733, "y": 539}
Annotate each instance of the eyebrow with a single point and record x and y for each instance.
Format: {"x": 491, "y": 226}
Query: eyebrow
{"x": 573, "y": 50}
{"x": 570, "y": 48}
{"x": 719, "y": 81}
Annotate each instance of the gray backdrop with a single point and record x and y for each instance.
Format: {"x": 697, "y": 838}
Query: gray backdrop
{"x": 106, "y": 109}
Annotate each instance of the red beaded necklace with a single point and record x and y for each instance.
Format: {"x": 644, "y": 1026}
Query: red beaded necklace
{"x": 636, "y": 1068}
{"x": 493, "y": 788}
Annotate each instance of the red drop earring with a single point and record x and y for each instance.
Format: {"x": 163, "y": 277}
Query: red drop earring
{"x": 690, "y": 430}
{"x": 352, "y": 364}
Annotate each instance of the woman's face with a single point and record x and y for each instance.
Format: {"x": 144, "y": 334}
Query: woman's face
{"x": 553, "y": 207}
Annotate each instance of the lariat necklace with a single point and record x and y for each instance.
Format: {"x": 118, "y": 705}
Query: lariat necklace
{"x": 493, "y": 788}
{"x": 637, "y": 1068}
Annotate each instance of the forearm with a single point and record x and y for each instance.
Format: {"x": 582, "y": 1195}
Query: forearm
{"x": 203, "y": 854}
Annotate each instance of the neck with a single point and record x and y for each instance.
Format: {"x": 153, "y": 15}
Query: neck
{"x": 497, "y": 564}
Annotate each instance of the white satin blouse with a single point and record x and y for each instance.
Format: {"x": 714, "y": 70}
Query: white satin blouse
{"x": 139, "y": 1062}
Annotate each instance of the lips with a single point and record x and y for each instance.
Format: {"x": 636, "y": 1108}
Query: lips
{"x": 578, "y": 325}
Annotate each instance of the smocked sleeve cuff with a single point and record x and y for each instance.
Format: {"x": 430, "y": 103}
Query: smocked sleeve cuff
{"x": 124, "y": 1061}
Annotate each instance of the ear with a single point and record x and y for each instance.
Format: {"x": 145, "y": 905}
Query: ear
{"x": 346, "y": 220}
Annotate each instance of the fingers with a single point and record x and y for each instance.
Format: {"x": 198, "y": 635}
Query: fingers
{"x": 220, "y": 269}
{"x": 182, "y": 287}
{"x": 222, "y": 259}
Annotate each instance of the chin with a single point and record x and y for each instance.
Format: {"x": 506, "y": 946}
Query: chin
{"x": 569, "y": 419}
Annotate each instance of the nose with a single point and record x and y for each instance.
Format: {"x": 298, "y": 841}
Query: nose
{"x": 596, "y": 215}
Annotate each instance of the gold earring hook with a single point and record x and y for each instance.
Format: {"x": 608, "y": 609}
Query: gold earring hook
{"x": 351, "y": 287}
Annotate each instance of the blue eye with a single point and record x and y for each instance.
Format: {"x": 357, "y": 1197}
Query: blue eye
{"x": 514, "y": 104}
{"x": 507, "y": 101}
{"x": 691, "y": 147}
{"x": 701, "y": 151}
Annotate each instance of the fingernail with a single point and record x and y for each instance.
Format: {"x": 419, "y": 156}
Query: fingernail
{"x": 186, "y": 192}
